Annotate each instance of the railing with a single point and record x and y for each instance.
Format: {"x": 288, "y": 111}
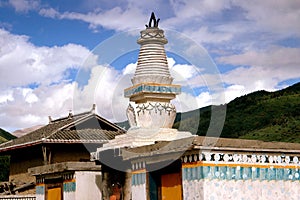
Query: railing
{"x": 18, "y": 197}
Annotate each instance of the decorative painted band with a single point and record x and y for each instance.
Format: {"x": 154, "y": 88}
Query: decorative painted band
{"x": 69, "y": 186}
{"x": 40, "y": 189}
{"x": 240, "y": 173}
{"x": 173, "y": 89}
{"x": 65, "y": 176}
{"x": 253, "y": 158}
{"x": 138, "y": 179}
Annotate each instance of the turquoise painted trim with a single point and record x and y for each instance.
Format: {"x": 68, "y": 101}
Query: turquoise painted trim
{"x": 40, "y": 190}
{"x": 240, "y": 173}
{"x": 70, "y": 187}
{"x": 153, "y": 88}
{"x": 138, "y": 179}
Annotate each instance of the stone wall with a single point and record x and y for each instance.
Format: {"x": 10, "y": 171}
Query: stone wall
{"x": 71, "y": 152}
{"x": 20, "y": 161}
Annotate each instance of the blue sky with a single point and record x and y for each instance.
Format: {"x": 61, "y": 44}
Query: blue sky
{"x": 51, "y": 53}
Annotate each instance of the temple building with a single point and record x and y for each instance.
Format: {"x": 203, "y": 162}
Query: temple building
{"x": 56, "y": 152}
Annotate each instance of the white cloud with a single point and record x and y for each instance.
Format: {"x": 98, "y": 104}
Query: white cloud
{"x": 22, "y": 63}
{"x": 130, "y": 68}
{"x": 109, "y": 19}
{"x": 105, "y": 88}
{"x": 29, "y": 96}
{"x": 5, "y": 96}
{"x": 195, "y": 8}
{"x": 278, "y": 17}
{"x": 27, "y": 107}
{"x": 231, "y": 23}
{"x": 275, "y": 57}
{"x": 187, "y": 101}
{"x": 233, "y": 91}
{"x": 24, "y": 5}
{"x": 181, "y": 72}
{"x": 262, "y": 70}
{"x": 49, "y": 12}
{"x": 203, "y": 35}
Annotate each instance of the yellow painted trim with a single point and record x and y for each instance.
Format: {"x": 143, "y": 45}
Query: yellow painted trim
{"x": 68, "y": 181}
{"x": 139, "y": 171}
{"x": 257, "y": 165}
{"x": 40, "y": 184}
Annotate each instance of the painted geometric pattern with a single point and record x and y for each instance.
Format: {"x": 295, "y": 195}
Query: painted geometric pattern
{"x": 40, "y": 189}
{"x": 235, "y": 158}
{"x": 240, "y": 173}
{"x": 69, "y": 187}
{"x": 153, "y": 88}
{"x": 138, "y": 179}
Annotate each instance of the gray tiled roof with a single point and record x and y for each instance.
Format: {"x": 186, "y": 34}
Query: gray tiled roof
{"x": 84, "y": 135}
{"x": 211, "y": 142}
{"x": 63, "y": 130}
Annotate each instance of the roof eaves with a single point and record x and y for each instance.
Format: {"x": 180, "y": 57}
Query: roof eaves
{"x": 74, "y": 141}
{"x": 17, "y": 146}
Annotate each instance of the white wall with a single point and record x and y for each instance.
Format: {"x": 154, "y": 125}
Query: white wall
{"x": 138, "y": 186}
{"x": 241, "y": 189}
{"x": 139, "y": 192}
{"x": 88, "y": 185}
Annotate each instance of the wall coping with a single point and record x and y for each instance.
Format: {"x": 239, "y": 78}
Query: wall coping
{"x": 64, "y": 167}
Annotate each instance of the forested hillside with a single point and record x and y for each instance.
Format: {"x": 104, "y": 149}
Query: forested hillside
{"x": 267, "y": 116}
{"x": 5, "y": 136}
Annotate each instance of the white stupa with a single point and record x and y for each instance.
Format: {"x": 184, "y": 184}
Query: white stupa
{"x": 150, "y": 113}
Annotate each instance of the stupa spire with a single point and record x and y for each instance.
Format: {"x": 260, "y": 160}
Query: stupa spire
{"x": 152, "y": 88}
{"x": 152, "y": 65}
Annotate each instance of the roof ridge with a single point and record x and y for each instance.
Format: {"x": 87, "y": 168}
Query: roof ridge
{"x": 111, "y": 123}
{"x": 88, "y": 114}
{"x": 72, "y": 116}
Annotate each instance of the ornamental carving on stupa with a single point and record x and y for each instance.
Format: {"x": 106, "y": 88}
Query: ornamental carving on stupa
{"x": 152, "y": 88}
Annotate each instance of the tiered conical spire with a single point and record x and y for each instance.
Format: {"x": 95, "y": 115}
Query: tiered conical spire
{"x": 152, "y": 88}
{"x": 152, "y": 63}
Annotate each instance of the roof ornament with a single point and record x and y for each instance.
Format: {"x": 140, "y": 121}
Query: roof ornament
{"x": 50, "y": 119}
{"x": 93, "y": 108}
{"x": 70, "y": 114}
{"x": 153, "y": 19}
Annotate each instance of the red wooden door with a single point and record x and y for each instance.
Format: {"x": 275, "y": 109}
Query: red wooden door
{"x": 171, "y": 186}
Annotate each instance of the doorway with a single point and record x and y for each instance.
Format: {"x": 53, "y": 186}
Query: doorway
{"x": 54, "y": 189}
{"x": 166, "y": 183}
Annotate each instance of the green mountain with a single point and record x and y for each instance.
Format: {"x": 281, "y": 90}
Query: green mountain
{"x": 261, "y": 115}
{"x": 5, "y": 136}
